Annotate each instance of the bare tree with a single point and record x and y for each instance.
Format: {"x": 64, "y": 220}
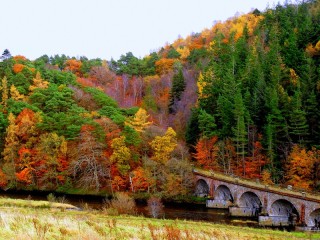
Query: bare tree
{"x": 92, "y": 168}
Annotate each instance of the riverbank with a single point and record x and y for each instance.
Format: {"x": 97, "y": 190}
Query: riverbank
{"x": 28, "y": 219}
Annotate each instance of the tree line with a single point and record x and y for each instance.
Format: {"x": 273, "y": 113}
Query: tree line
{"x": 241, "y": 97}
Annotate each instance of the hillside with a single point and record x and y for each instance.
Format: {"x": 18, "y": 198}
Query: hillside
{"x": 241, "y": 98}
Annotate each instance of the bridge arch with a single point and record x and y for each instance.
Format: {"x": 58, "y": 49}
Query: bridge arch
{"x": 222, "y": 192}
{"x": 314, "y": 218}
{"x": 202, "y": 188}
{"x": 283, "y": 207}
{"x": 250, "y": 199}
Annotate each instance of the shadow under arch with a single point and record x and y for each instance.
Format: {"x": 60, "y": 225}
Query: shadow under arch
{"x": 223, "y": 193}
{"x": 314, "y": 219}
{"x": 284, "y": 208}
{"x": 202, "y": 188}
{"x": 250, "y": 200}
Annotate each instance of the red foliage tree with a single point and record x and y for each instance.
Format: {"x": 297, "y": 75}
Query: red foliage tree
{"x": 254, "y": 164}
{"x": 206, "y": 153}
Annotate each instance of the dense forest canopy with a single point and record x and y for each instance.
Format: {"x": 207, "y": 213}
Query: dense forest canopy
{"x": 241, "y": 98}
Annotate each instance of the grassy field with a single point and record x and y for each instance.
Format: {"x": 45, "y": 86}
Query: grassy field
{"x": 27, "y": 219}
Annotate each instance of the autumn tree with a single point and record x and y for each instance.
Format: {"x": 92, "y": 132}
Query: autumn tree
{"x": 51, "y": 156}
{"x": 121, "y": 154}
{"x": 38, "y": 82}
{"x": 15, "y": 95}
{"x": 163, "y": 146}
{"x": 4, "y": 91}
{"x": 299, "y": 168}
{"x": 27, "y": 129}
{"x": 139, "y": 121}
{"x": 27, "y": 133}
{"x": 74, "y": 66}
{"x": 18, "y": 67}
{"x": 92, "y": 167}
{"x": 10, "y": 152}
{"x": 139, "y": 180}
{"x": 254, "y": 163}
{"x": 206, "y": 154}
{"x": 179, "y": 178}
{"x": 164, "y": 65}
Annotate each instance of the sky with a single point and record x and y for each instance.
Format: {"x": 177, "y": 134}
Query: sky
{"x": 108, "y": 28}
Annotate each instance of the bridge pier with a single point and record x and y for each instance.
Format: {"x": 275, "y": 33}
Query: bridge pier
{"x": 243, "y": 211}
{"x": 218, "y": 203}
{"x": 274, "y": 206}
{"x": 274, "y": 221}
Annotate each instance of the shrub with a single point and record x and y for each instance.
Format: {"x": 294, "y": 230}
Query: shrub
{"x": 155, "y": 207}
{"x": 51, "y": 197}
{"x": 123, "y": 203}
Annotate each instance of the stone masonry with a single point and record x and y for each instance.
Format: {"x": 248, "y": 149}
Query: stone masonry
{"x": 273, "y": 206}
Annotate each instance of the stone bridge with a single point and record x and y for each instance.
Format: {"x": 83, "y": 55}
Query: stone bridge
{"x": 273, "y": 206}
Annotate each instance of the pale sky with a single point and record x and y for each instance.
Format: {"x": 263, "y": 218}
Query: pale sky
{"x": 108, "y": 28}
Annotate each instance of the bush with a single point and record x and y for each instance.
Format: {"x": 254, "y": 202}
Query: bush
{"x": 123, "y": 203}
{"x": 155, "y": 207}
{"x": 51, "y": 197}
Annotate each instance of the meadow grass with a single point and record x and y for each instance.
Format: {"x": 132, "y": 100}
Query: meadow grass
{"x": 28, "y": 203}
{"x": 19, "y": 220}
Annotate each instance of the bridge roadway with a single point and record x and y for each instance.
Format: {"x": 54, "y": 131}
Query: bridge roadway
{"x": 274, "y": 206}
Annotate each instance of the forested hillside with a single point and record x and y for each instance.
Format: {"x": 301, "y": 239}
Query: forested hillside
{"x": 241, "y": 98}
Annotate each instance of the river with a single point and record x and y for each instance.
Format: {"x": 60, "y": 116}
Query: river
{"x": 196, "y": 212}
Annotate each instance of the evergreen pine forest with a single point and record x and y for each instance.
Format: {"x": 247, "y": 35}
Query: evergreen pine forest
{"x": 241, "y": 98}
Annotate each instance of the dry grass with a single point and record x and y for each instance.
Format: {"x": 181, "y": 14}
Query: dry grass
{"x": 54, "y": 223}
{"x": 8, "y": 202}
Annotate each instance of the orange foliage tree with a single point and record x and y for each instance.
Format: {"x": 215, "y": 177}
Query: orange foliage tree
{"x": 19, "y": 58}
{"x": 207, "y": 152}
{"x": 17, "y": 67}
{"x": 3, "y": 179}
{"x": 74, "y": 66}
{"x": 140, "y": 181}
{"x": 24, "y": 176}
{"x": 300, "y": 168}
{"x": 24, "y": 164}
{"x": 254, "y": 163}
{"x": 164, "y": 65}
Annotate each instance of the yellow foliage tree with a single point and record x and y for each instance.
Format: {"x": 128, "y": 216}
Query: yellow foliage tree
{"x": 202, "y": 83}
{"x": 266, "y": 177}
{"x": 15, "y": 94}
{"x": 10, "y": 151}
{"x": 4, "y": 90}
{"x": 313, "y": 50}
{"x": 121, "y": 154}
{"x": 184, "y": 52}
{"x": 38, "y": 82}
{"x": 163, "y": 146}
{"x": 140, "y": 120}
